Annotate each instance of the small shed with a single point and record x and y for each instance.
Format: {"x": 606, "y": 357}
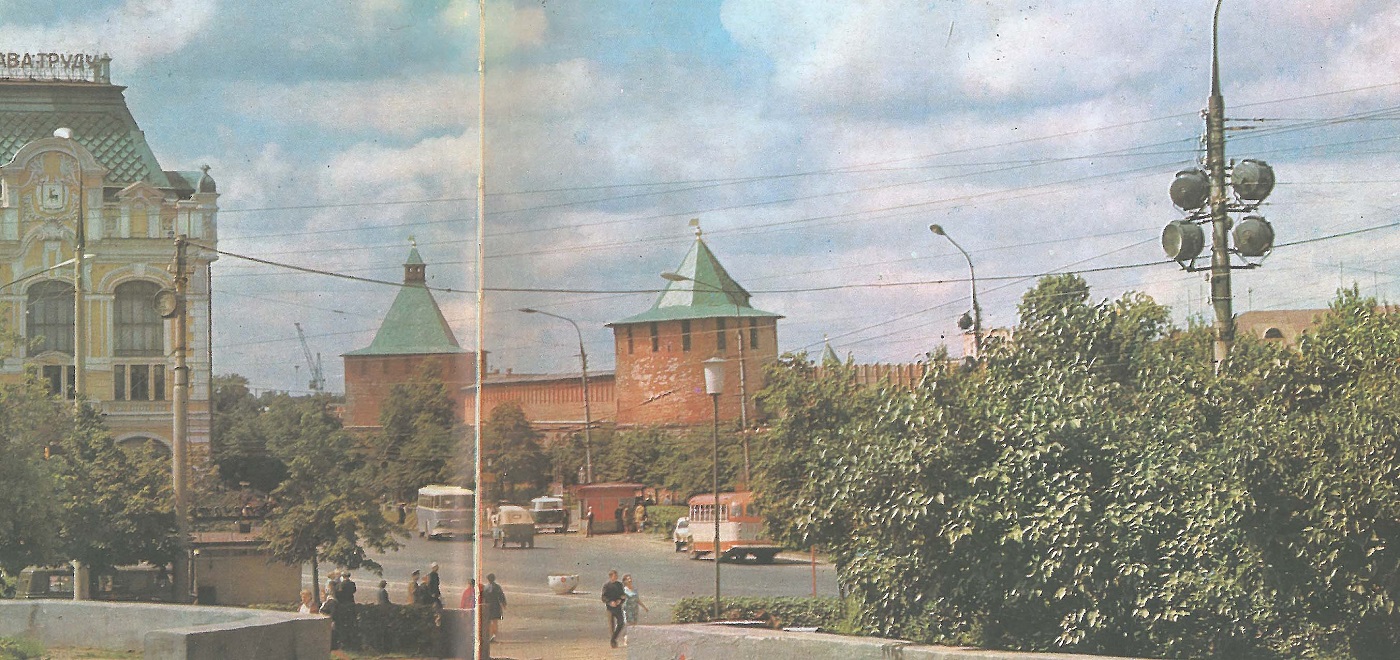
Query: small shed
{"x": 237, "y": 568}
{"x": 605, "y": 499}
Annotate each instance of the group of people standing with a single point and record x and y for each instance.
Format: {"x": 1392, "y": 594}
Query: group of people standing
{"x": 622, "y": 600}
{"x": 629, "y": 518}
{"x": 425, "y": 590}
{"x": 338, "y": 603}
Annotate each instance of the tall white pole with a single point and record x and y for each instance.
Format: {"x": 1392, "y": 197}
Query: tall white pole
{"x": 480, "y": 308}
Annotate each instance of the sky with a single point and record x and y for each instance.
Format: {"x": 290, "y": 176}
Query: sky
{"x": 814, "y": 141}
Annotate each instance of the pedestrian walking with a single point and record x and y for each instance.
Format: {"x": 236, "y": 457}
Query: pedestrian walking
{"x": 621, "y": 518}
{"x": 632, "y": 600}
{"x": 403, "y": 514}
{"x": 640, "y": 515}
{"x": 383, "y": 593}
{"x": 613, "y": 597}
{"x": 493, "y": 601}
{"x": 588, "y": 523}
{"x": 469, "y": 595}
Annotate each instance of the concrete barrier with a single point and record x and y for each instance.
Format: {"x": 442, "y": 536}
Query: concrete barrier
{"x": 709, "y": 642}
{"x": 169, "y": 632}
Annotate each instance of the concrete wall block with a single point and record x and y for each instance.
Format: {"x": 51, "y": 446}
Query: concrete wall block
{"x": 169, "y": 632}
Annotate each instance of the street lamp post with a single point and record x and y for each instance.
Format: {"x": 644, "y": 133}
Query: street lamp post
{"x": 587, "y": 412}
{"x": 972, "y": 273}
{"x": 1205, "y": 195}
{"x": 743, "y": 371}
{"x": 714, "y": 384}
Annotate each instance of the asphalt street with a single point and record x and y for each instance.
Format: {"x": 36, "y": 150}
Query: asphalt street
{"x": 541, "y": 624}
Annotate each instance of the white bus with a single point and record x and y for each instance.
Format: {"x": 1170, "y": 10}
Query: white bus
{"x": 445, "y": 511}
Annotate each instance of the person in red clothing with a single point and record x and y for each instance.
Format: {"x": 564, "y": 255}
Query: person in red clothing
{"x": 470, "y": 595}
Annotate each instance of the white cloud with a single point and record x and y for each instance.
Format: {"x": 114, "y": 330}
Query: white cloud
{"x": 509, "y": 27}
{"x": 134, "y": 33}
{"x": 398, "y": 107}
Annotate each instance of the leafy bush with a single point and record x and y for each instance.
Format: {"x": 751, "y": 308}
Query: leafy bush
{"x": 20, "y": 648}
{"x": 779, "y": 612}
{"x": 662, "y": 518}
{"x": 398, "y": 628}
{"x": 1094, "y": 486}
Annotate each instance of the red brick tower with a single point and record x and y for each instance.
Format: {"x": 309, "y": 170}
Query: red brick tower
{"x": 412, "y": 335}
{"x": 703, "y": 313}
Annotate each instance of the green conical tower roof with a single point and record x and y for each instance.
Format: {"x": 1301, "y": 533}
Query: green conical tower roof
{"x": 415, "y": 324}
{"x": 829, "y": 356}
{"x": 702, "y": 290}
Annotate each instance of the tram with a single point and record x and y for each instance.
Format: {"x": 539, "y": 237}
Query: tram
{"x": 741, "y": 530}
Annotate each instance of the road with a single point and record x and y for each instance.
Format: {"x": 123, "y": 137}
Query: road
{"x": 540, "y": 624}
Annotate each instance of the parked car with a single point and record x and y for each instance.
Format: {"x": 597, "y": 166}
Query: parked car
{"x": 550, "y": 514}
{"x": 681, "y": 535}
{"x": 515, "y": 525}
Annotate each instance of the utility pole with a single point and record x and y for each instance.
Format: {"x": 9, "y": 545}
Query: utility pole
{"x": 1204, "y": 195}
{"x": 180, "y": 412}
{"x": 80, "y": 570}
{"x": 1219, "y": 221}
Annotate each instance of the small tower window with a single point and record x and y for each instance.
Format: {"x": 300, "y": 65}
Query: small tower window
{"x": 721, "y": 341}
{"x": 685, "y": 334}
{"x": 753, "y": 333}
{"x": 629, "y": 340}
{"x": 655, "y": 338}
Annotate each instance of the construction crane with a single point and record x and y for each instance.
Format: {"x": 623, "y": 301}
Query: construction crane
{"x": 313, "y": 366}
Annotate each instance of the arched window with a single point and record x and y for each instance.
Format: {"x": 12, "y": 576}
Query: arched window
{"x": 1273, "y": 333}
{"x": 139, "y": 328}
{"x": 49, "y": 325}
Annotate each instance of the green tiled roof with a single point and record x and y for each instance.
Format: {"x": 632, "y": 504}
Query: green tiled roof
{"x": 98, "y": 115}
{"x": 708, "y": 292}
{"x": 413, "y": 326}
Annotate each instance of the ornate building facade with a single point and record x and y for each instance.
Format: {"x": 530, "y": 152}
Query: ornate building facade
{"x": 76, "y": 169}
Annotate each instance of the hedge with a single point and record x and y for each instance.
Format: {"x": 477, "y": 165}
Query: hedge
{"x": 779, "y": 612}
{"x": 662, "y": 518}
{"x": 398, "y": 629}
{"x": 384, "y": 628}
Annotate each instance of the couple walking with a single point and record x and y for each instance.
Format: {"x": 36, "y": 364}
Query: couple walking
{"x": 622, "y": 601}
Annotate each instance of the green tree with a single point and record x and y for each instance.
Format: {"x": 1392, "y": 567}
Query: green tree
{"x": 419, "y": 441}
{"x": 30, "y": 421}
{"x": 116, "y": 504}
{"x": 328, "y": 508}
{"x": 817, "y": 405}
{"x": 511, "y": 451}
{"x": 1083, "y": 489}
{"x": 238, "y": 441}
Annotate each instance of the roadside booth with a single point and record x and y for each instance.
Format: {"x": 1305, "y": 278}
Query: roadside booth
{"x": 605, "y": 498}
{"x": 233, "y": 568}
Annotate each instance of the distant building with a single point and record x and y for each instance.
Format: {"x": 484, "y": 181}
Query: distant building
{"x": 703, "y": 314}
{"x": 413, "y": 335}
{"x": 1280, "y": 325}
{"x": 552, "y": 402}
{"x": 73, "y": 162}
{"x": 658, "y": 379}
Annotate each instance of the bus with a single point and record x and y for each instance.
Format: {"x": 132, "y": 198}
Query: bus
{"x": 445, "y": 511}
{"x": 741, "y": 530}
